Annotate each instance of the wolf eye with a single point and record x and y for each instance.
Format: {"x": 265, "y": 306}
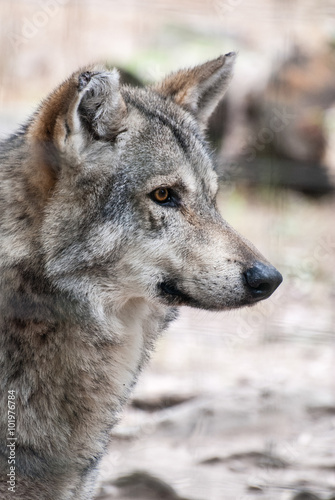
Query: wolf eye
{"x": 165, "y": 197}
{"x": 161, "y": 195}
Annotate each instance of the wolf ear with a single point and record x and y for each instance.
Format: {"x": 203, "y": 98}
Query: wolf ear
{"x": 88, "y": 104}
{"x": 199, "y": 89}
{"x": 101, "y": 107}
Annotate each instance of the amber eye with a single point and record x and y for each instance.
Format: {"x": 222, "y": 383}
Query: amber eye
{"x": 161, "y": 195}
{"x": 167, "y": 197}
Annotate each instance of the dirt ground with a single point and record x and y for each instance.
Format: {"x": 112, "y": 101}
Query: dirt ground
{"x": 241, "y": 405}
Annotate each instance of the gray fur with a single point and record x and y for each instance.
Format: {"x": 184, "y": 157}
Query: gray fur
{"x": 92, "y": 268}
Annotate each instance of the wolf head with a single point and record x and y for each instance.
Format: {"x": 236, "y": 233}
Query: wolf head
{"x": 128, "y": 189}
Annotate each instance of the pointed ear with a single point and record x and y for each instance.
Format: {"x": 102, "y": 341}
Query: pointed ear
{"x": 199, "y": 89}
{"x": 87, "y": 105}
{"x": 101, "y": 107}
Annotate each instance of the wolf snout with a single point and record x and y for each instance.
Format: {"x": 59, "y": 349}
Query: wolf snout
{"x": 262, "y": 280}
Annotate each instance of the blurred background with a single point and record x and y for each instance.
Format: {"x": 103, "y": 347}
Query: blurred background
{"x": 238, "y": 405}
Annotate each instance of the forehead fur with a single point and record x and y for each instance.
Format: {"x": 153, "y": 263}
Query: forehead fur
{"x": 172, "y": 135}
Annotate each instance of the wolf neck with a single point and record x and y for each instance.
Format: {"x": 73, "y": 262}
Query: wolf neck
{"x": 94, "y": 374}
{"x": 79, "y": 332}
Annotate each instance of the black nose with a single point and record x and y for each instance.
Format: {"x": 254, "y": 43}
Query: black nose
{"x": 262, "y": 280}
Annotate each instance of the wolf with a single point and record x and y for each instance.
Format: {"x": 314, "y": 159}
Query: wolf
{"x": 108, "y": 224}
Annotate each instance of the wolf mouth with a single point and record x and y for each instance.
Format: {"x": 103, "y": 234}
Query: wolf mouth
{"x": 168, "y": 288}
